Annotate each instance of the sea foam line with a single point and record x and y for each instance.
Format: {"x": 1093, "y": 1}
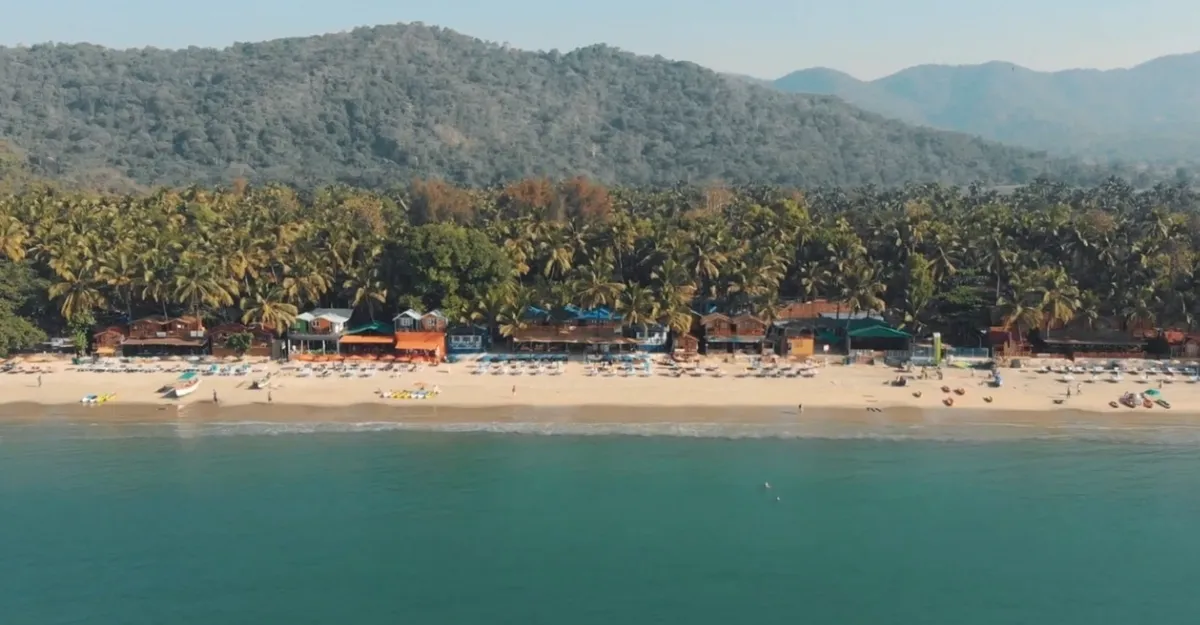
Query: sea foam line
{"x": 1171, "y": 435}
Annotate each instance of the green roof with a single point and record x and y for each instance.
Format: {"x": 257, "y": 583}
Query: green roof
{"x": 879, "y": 332}
{"x": 375, "y": 326}
{"x": 825, "y": 336}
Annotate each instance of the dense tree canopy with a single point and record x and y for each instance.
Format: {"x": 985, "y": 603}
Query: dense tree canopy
{"x": 939, "y": 257}
{"x": 382, "y": 105}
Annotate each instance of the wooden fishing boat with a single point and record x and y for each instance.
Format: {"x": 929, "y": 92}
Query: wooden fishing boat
{"x": 185, "y": 385}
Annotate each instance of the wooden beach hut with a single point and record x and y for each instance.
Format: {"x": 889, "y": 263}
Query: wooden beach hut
{"x": 318, "y": 330}
{"x": 166, "y": 336}
{"x": 107, "y": 342}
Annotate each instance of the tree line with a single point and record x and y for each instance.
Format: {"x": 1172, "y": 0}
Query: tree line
{"x": 954, "y": 259}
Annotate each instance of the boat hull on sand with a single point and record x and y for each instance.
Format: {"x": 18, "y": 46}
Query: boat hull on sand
{"x": 183, "y": 390}
{"x": 185, "y": 386}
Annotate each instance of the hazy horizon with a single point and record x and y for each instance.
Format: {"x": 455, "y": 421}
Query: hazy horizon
{"x": 760, "y": 38}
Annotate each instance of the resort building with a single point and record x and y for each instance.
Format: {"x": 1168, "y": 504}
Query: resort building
{"x": 572, "y": 328}
{"x": 420, "y": 336}
{"x": 318, "y": 330}
{"x": 165, "y": 336}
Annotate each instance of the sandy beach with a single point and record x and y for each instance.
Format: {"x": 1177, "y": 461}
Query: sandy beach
{"x": 845, "y": 395}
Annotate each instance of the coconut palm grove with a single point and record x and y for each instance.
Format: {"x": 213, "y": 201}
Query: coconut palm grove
{"x": 929, "y": 257}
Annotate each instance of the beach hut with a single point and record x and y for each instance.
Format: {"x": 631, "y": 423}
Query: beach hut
{"x": 107, "y": 342}
{"x": 166, "y": 336}
{"x": 467, "y": 338}
{"x": 739, "y": 333}
{"x": 650, "y": 337}
{"x": 685, "y": 344}
{"x": 434, "y": 321}
{"x": 407, "y": 321}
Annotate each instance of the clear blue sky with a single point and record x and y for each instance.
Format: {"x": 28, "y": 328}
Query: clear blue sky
{"x": 766, "y": 38}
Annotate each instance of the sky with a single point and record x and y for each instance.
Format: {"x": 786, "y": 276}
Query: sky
{"x": 763, "y": 38}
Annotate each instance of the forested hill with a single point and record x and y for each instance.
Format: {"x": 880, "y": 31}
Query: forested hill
{"x": 380, "y": 105}
{"x": 1144, "y": 112}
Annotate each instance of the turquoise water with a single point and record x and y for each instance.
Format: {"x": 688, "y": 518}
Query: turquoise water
{"x": 138, "y": 525}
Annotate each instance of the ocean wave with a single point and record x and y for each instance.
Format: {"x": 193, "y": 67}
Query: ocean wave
{"x": 950, "y": 433}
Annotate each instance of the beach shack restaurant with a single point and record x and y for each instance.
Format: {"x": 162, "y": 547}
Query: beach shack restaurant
{"x": 371, "y": 339}
{"x": 420, "y": 336}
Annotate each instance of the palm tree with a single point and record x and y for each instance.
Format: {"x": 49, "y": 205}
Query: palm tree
{"x": 13, "y": 235}
{"x": 270, "y": 311}
{"x": 366, "y": 290}
{"x": 595, "y": 285}
{"x": 117, "y": 270}
{"x": 1060, "y": 300}
{"x": 198, "y": 284}
{"x": 78, "y": 294}
{"x": 639, "y": 307}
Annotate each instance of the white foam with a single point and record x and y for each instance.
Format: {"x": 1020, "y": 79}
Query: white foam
{"x": 1174, "y": 435}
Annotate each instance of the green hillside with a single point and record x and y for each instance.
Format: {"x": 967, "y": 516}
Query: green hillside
{"x": 381, "y": 105}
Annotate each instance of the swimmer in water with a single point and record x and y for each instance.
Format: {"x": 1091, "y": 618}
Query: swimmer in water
{"x": 767, "y": 485}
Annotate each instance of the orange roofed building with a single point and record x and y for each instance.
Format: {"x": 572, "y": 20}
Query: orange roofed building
{"x": 420, "y": 336}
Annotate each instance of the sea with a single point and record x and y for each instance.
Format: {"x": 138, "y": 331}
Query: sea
{"x": 232, "y": 524}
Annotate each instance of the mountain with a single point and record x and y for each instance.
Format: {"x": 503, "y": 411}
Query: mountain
{"x": 380, "y": 105}
{"x": 1145, "y": 112}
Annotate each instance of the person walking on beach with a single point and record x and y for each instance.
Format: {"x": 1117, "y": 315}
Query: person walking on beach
{"x": 268, "y": 397}
{"x": 514, "y": 391}
{"x": 39, "y": 380}
{"x": 215, "y": 398}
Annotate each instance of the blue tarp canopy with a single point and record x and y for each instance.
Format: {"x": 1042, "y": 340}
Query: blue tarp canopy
{"x": 597, "y": 314}
{"x": 571, "y": 312}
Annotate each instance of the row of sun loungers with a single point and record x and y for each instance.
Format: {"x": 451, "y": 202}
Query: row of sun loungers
{"x": 216, "y": 370}
{"x": 530, "y": 368}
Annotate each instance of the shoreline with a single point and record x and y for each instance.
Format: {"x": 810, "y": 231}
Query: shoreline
{"x": 428, "y": 414}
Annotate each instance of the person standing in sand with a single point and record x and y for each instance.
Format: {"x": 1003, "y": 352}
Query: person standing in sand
{"x": 215, "y": 398}
{"x": 514, "y": 391}
{"x": 39, "y": 380}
